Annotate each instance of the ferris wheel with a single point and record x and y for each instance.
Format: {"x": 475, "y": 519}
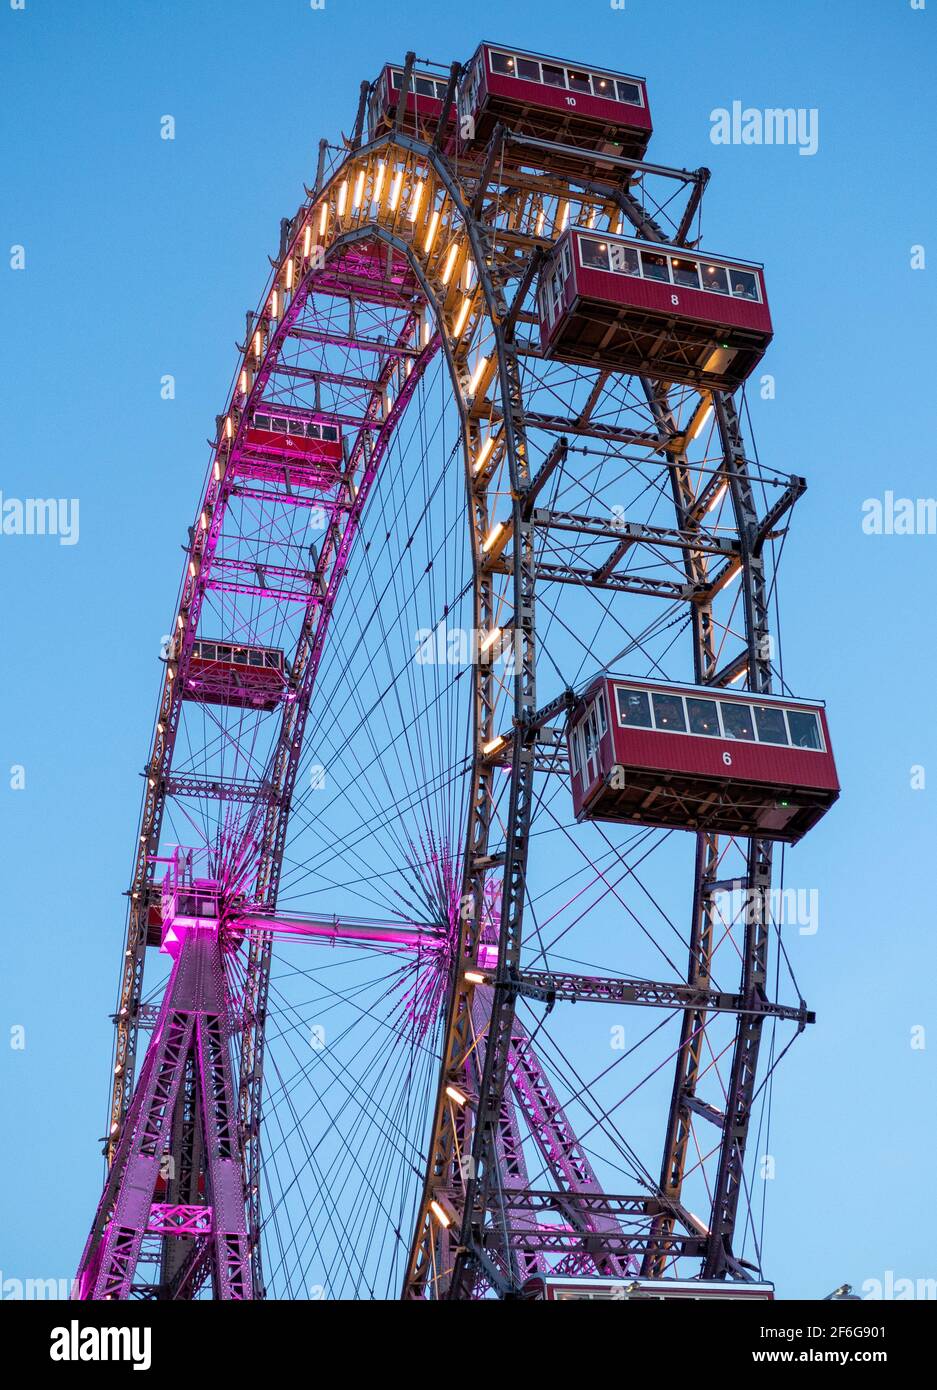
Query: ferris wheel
{"x": 453, "y": 967}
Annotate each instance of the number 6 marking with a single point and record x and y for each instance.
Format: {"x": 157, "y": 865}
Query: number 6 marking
{"x": 727, "y": 759}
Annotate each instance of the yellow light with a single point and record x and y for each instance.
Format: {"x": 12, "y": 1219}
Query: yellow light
{"x": 450, "y": 262}
{"x": 289, "y": 273}
{"x": 740, "y": 677}
{"x": 416, "y": 197}
{"x": 227, "y": 426}
{"x": 493, "y": 535}
{"x": 431, "y": 233}
{"x": 243, "y": 382}
{"x": 307, "y": 240}
{"x": 180, "y": 620}
{"x": 440, "y": 1215}
{"x": 491, "y": 639}
{"x": 342, "y": 197}
{"x": 477, "y": 375}
{"x": 591, "y": 221}
{"x": 461, "y": 316}
{"x": 258, "y": 344}
{"x": 193, "y": 568}
{"x": 483, "y": 453}
{"x": 539, "y": 226}
{"x": 493, "y": 745}
{"x": 395, "y": 190}
{"x": 219, "y": 470}
{"x": 378, "y": 182}
{"x": 699, "y": 422}
{"x": 274, "y": 305}
{"x": 359, "y": 189}
{"x": 323, "y": 218}
{"x": 455, "y": 1094}
{"x": 426, "y": 330}
{"x": 717, "y": 498}
{"x": 564, "y": 215}
{"x": 733, "y": 577}
{"x": 203, "y": 519}
{"x": 474, "y": 978}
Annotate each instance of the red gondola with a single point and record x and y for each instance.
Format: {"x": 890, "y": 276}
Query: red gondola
{"x": 426, "y": 97}
{"x": 656, "y": 310}
{"x": 693, "y": 758}
{"x": 221, "y": 673}
{"x": 309, "y": 446}
{"x": 565, "y": 103}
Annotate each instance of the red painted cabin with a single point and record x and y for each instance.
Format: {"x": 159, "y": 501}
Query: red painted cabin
{"x": 694, "y": 758}
{"x": 221, "y": 673}
{"x": 565, "y": 103}
{"x": 278, "y": 438}
{"x": 653, "y": 309}
{"x": 426, "y": 97}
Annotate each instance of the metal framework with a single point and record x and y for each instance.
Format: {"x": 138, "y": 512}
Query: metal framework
{"x": 406, "y": 260}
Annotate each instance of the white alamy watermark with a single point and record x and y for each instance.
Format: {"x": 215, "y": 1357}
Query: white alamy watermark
{"x": 77, "y": 1343}
{"x": 891, "y": 1287}
{"x": 40, "y": 516}
{"x": 17, "y": 1290}
{"x": 774, "y": 125}
{"x": 783, "y": 907}
{"x": 899, "y": 516}
{"x": 459, "y": 646}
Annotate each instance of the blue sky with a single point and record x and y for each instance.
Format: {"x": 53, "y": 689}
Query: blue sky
{"x": 141, "y": 257}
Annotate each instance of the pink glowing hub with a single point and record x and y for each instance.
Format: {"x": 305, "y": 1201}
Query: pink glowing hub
{"x": 188, "y": 904}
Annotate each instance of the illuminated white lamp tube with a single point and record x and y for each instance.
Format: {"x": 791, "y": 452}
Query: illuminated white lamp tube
{"x": 461, "y": 317}
{"x": 699, "y": 421}
{"x": 395, "y": 190}
{"x": 439, "y": 1214}
{"x": 416, "y": 197}
{"x": 483, "y": 454}
{"x": 431, "y": 232}
{"x": 717, "y": 497}
{"x": 450, "y": 262}
{"x": 477, "y": 375}
{"x": 492, "y": 536}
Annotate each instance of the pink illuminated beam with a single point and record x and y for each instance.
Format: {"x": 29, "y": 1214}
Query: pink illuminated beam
{"x": 399, "y": 936}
